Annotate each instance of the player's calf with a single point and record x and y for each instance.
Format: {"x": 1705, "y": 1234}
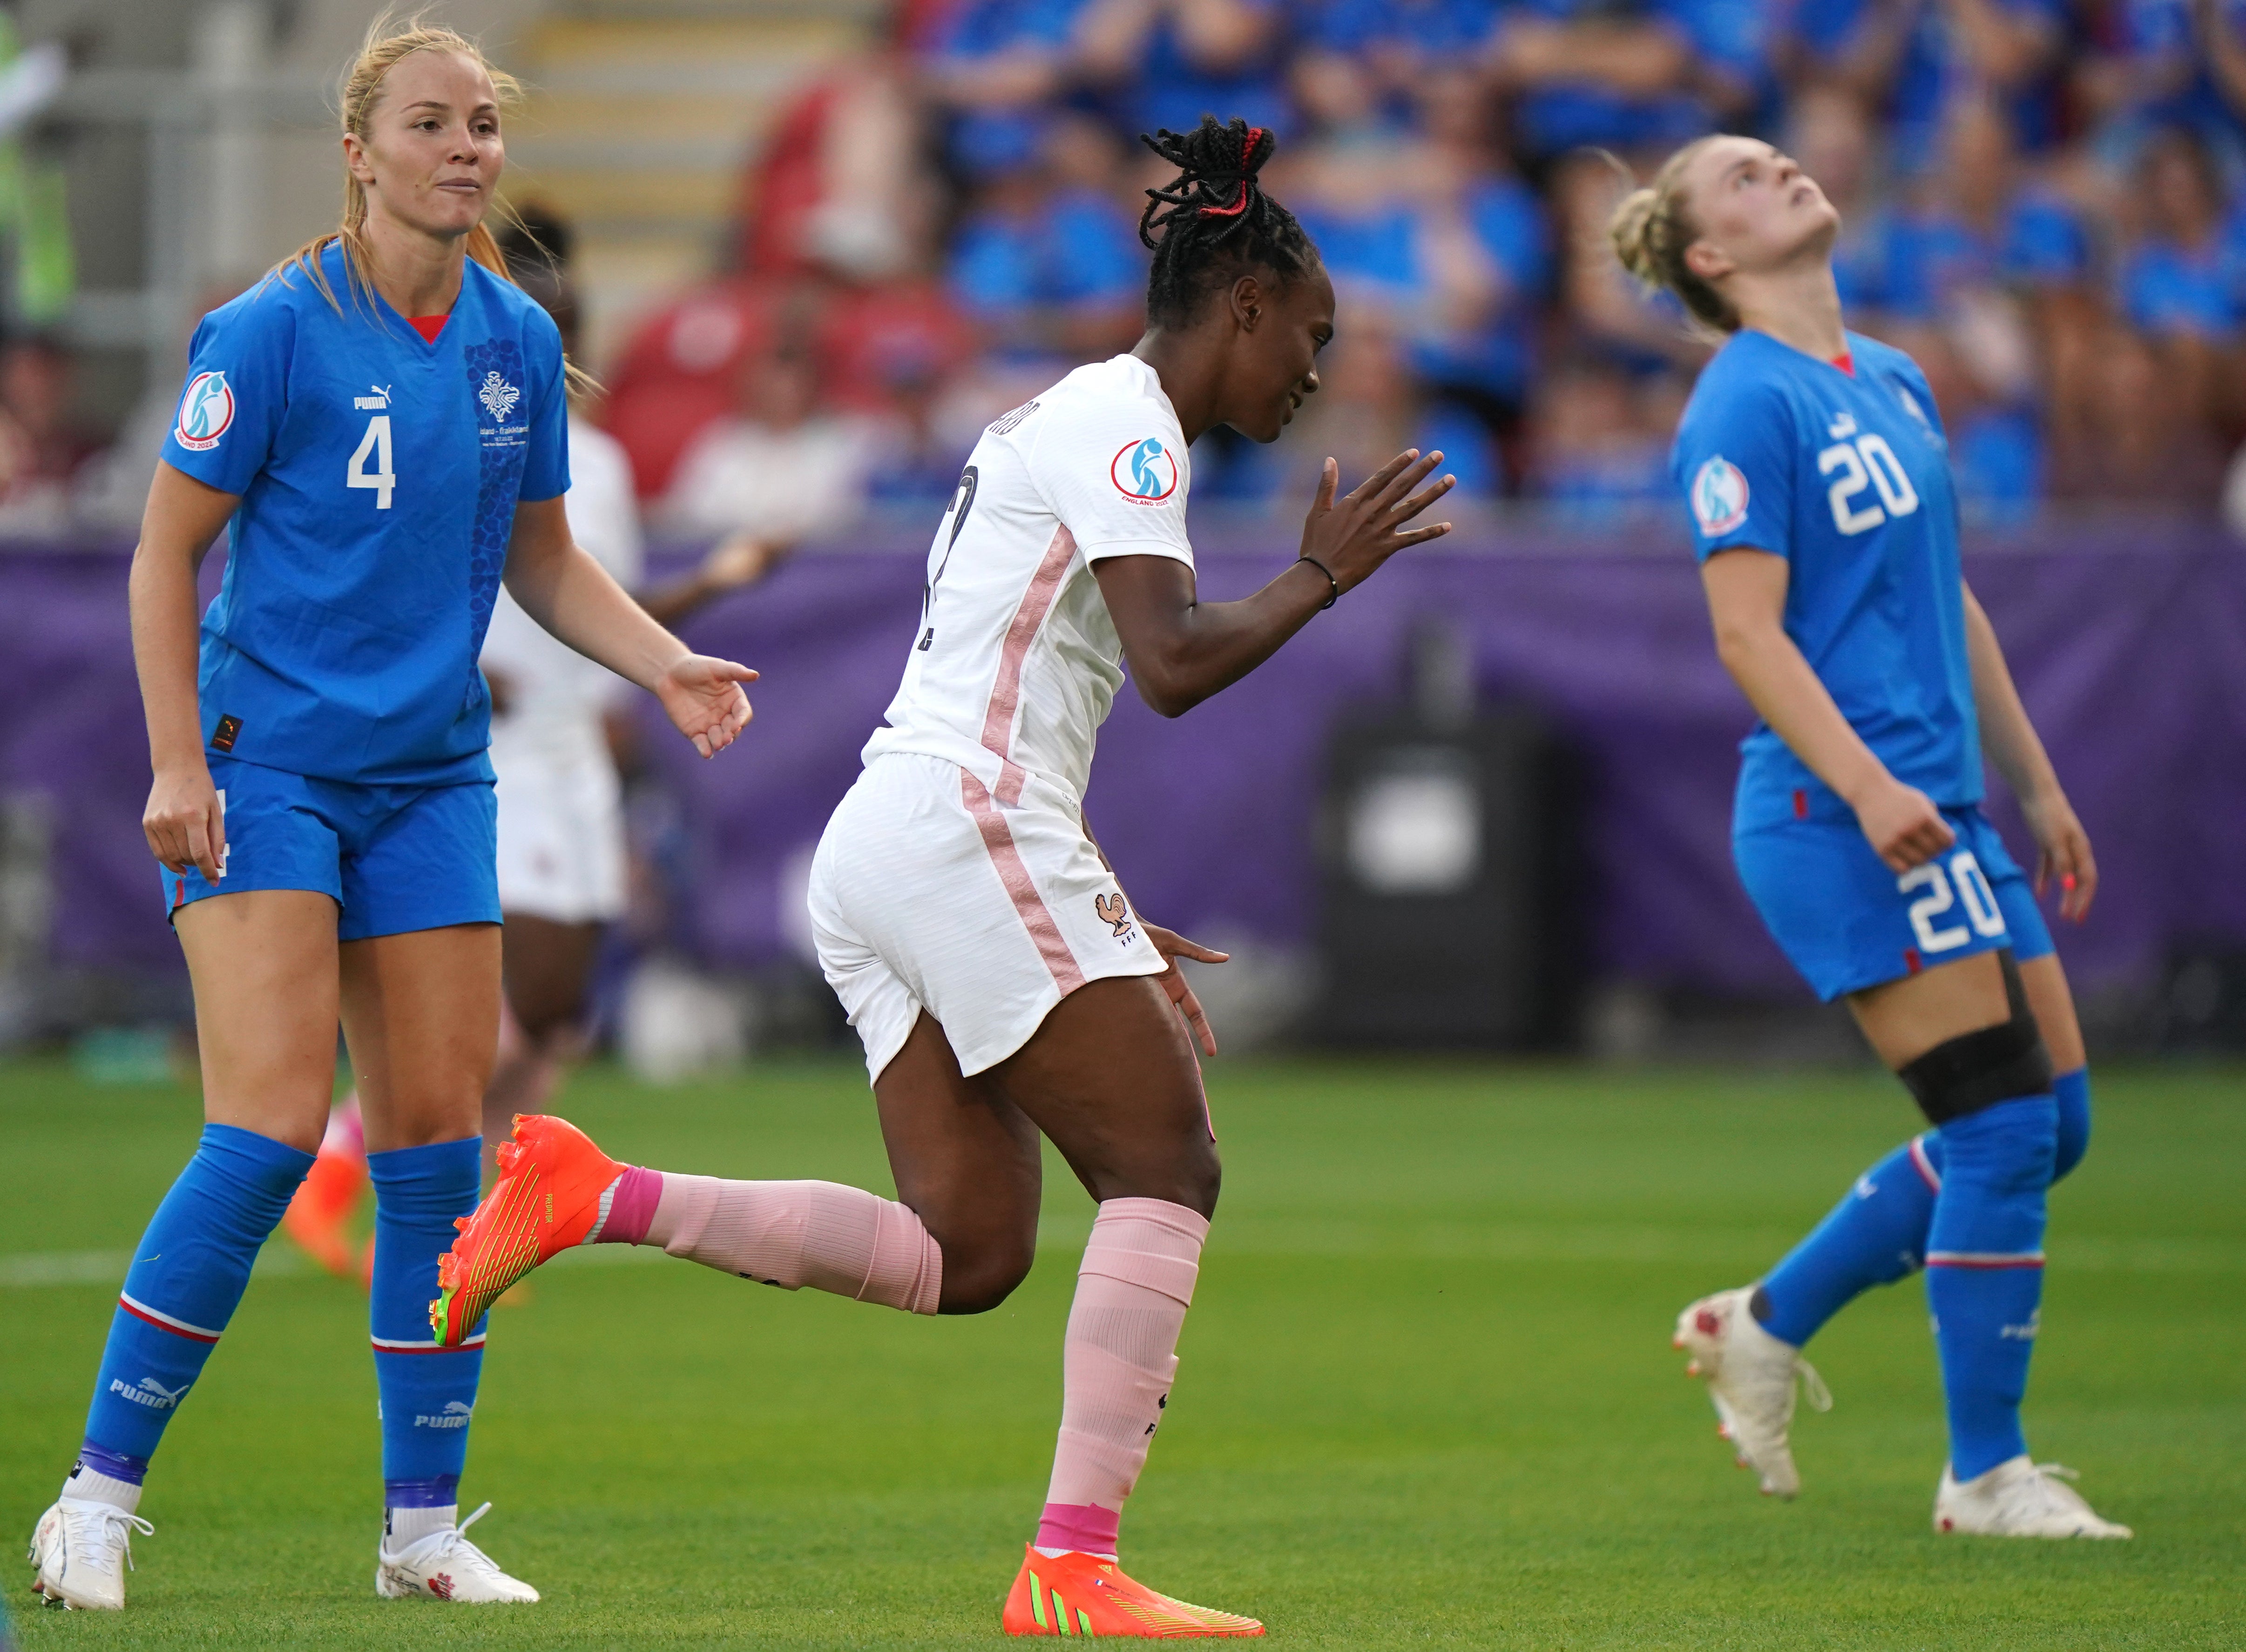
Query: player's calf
{"x": 557, "y": 1190}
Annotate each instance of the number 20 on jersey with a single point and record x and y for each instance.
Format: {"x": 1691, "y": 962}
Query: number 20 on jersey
{"x": 1866, "y": 463}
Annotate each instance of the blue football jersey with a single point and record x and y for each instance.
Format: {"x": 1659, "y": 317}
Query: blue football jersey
{"x": 1848, "y": 477}
{"x": 378, "y": 475}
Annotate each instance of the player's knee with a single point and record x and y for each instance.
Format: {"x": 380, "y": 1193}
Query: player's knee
{"x": 982, "y": 1276}
{"x": 549, "y": 1019}
{"x": 1192, "y": 1177}
{"x": 2004, "y": 1150}
{"x": 1205, "y": 1179}
{"x": 1982, "y": 1069}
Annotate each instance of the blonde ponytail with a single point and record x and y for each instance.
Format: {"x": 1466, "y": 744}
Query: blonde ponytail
{"x": 1650, "y": 232}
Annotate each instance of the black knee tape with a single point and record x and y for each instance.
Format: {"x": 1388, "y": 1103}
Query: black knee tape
{"x": 1978, "y": 1070}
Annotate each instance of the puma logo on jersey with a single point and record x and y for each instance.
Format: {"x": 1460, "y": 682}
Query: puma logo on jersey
{"x": 1115, "y": 913}
{"x": 379, "y": 402}
{"x": 1843, "y": 425}
{"x": 1925, "y": 424}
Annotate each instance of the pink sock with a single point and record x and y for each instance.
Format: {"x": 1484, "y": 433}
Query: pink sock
{"x": 627, "y": 1206}
{"x": 789, "y": 1233}
{"x": 345, "y": 1136}
{"x": 1117, "y": 1364}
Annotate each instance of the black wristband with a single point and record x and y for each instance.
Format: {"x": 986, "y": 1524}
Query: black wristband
{"x": 1335, "y": 596}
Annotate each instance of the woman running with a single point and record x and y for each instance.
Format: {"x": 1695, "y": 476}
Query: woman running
{"x": 1000, "y": 980}
{"x": 381, "y": 424}
{"x": 1818, "y": 478}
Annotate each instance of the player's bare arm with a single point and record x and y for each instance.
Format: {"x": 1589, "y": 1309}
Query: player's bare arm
{"x": 183, "y": 822}
{"x": 734, "y": 563}
{"x": 1746, "y": 602}
{"x": 1181, "y": 650}
{"x": 2062, "y": 847}
{"x": 565, "y": 589}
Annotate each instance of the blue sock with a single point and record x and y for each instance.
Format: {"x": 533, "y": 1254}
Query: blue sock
{"x": 2072, "y": 1091}
{"x": 428, "y": 1393}
{"x": 189, "y": 1271}
{"x": 1985, "y": 1272}
{"x": 1877, "y": 1234}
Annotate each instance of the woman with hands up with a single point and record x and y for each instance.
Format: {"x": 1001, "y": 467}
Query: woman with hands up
{"x": 1003, "y": 985}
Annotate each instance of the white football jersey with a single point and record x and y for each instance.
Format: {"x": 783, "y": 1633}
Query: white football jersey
{"x": 557, "y": 694}
{"x": 1016, "y": 662}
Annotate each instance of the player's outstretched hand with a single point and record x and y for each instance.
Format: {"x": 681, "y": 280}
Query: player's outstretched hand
{"x": 1351, "y": 536}
{"x": 705, "y": 700}
{"x": 2062, "y": 853}
{"x": 1173, "y": 947}
{"x": 1903, "y": 825}
{"x": 184, "y": 824}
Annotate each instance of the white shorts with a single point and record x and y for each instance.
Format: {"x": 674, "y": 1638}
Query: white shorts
{"x": 927, "y": 894}
{"x": 561, "y": 836}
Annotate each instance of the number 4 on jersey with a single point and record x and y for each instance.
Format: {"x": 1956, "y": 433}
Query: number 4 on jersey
{"x": 376, "y": 442}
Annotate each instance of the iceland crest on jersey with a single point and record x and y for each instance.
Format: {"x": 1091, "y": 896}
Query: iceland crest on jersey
{"x": 206, "y": 410}
{"x": 497, "y": 397}
{"x": 1720, "y": 496}
{"x": 1144, "y": 471}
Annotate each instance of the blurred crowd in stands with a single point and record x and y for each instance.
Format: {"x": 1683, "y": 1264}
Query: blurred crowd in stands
{"x": 2045, "y": 202}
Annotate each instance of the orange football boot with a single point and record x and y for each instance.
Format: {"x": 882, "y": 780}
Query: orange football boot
{"x": 547, "y": 1200}
{"x": 320, "y": 1211}
{"x": 1084, "y": 1594}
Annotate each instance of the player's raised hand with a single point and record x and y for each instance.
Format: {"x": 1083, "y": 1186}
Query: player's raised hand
{"x": 2062, "y": 853}
{"x": 184, "y": 823}
{"x": 1173, "y": 947}
{"x": 705, "y": 700}
{"x": 1902, "y": 825}
{"x": 1351, "y": 536}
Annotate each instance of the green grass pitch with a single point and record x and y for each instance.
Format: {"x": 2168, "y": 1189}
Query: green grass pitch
{"x": 1426, "y": 1396}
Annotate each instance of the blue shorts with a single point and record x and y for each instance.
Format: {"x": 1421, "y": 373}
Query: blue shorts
{"x": 1848, "y": 922}
{"x": 394, "y": 857}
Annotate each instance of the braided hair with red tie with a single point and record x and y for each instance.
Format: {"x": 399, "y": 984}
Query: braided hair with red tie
{"x": 1216, "y": 224}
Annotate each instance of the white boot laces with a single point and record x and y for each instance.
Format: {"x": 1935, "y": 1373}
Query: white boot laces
{"x": 100, "y": 1531}
{"x": 453, "y": 1545}
{"x": 2049, "y": 1479}
{"x": 1812, "y": 1386}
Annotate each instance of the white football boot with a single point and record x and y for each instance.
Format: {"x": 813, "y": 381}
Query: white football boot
{"x": 2020, "y": 1498}
{"x": 445, "y": 1566}
{"x": 1750, "y": 1376}
{"x": 83, "y": 1549}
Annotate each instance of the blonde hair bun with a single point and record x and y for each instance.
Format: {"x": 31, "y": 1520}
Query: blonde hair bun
{"x": 1652, "y": 229}
{"x": 1629, "y": 228}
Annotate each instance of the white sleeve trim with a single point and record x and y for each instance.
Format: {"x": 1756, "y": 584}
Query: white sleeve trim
{"x": 1170, "y": 548}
